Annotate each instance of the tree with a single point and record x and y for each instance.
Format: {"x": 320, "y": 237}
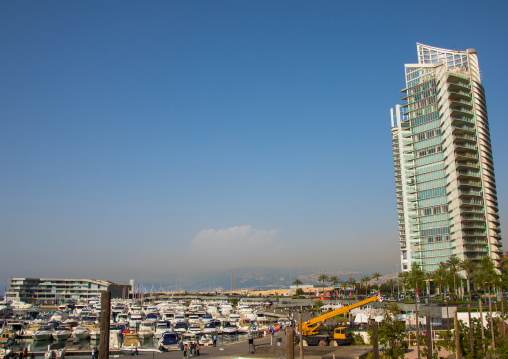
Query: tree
{"x": 391, "y": 333}
{"x": 365, "y": 283}
{"x": 297, "y": 282}
{"x": 468, "y": 267}
{"x": 453, "y": 265}
{"x": 334, "y": 279}
{"x": 427, "y": 277}
{"x": 376, "y": 277}
{"x": 391, "y": 284}
{"x": 404, "y": 281}
{"x": 323, "y": 278}
{"x": 440, "y": 275}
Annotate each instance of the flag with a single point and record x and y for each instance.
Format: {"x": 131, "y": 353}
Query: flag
{"x": 417, "y": 291}
{"x": 380, "y": 298}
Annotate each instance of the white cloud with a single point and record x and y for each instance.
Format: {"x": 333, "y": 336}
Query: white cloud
{"x": 238, "y": 237}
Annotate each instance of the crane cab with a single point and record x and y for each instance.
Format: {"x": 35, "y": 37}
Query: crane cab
{"x": 341, "y": 336}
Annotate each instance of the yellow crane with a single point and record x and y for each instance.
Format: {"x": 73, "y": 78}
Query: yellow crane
{"x": 341, "y": 335}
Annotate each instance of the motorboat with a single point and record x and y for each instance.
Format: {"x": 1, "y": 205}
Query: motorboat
{"x": 135, "y": 320}
{"x": 62, "y": 333}
{"x": 206, "y": 318}
{"x": 180, "y": 327}
{"x": 212, "y": 327}
{"x": 179, "y": 318}
{"x": 244, "y": 325}
{"x": 161, "y": 327}
{"x": 152, "y": 317}
{"x": 81, "y": 333}
{"x": 95, "y": 332}
{"x": 44, "y": 333}
{"x": 234, "y": 317}
{"x": 130, "y": 340}
{"x": 146, "y": 329}
{"x": 194, "y": 318}
{"x": 229, "y": 328}
{"x": 206, "y": 340}
{"x": 195, "y": 328}
{"x": 169, "y": 341}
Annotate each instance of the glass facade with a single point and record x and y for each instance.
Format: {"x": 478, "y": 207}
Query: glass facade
{"x": 444, "y": 174}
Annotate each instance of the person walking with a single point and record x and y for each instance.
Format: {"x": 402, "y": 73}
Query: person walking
{"x": 197, "y": 349}
{"x": 214, "y": 340}
{"x": 185, "y": 350}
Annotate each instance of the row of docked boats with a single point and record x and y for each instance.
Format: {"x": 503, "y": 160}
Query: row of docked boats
{"x": 130, "y": 319}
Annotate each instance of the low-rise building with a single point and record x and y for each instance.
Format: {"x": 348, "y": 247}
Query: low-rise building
{"x": 52, "y": 290}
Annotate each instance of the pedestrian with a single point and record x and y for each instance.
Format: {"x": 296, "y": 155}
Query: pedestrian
{"x": 25, "y": 353}
{"x": 197, "y": 349}
{"x": 185, "y": 350}
{"x": 191, "y": 347}
{"x": 214, "y": 340}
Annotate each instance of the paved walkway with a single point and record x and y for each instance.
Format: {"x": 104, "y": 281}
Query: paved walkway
{"x": 413, "y": 353}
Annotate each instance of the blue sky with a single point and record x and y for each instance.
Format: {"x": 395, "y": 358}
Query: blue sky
{"x": 144, "y": 138}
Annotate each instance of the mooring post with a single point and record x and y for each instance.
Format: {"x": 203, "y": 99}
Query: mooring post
{"x": 105, "y": 317}
{"x": 457, "y": 336}
{"x": 290, "y": 343}
{"x": 300, "y": 333}
{"x": 375, "y": 341}
{"x": 470, "y": 329}
{"x": 483, "y": 330}
{"x": 429, "y": 335}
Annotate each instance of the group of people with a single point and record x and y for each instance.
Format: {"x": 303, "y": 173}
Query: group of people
{"x": 192, "y": 347}
{"x": 23, "y": 354}
{"x": 95, "y": 353}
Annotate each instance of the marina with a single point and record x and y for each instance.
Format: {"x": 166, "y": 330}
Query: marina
{"x": 73, "y": 328}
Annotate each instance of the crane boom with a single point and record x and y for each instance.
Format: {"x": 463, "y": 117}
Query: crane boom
{"x": 311, "y": 326}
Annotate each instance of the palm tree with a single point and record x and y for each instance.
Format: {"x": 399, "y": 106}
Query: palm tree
{"x": 427, "y": 277}
{"x": 468, "y": 266}
{"x": 297, "y": 282}
{"x": 453, "y": 264}
{"x": 334, "y": 279}
{"x": 376, "y": 277}
{"x": 440, "y": 275}
{"x": 404, "y": 281}
{"x": 365, "y": 281}
{"x": 391, "y": 283}
{"x": 323, "y": 278}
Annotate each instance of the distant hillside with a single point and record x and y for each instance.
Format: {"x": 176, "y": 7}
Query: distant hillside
{"x": 251, "y": 278}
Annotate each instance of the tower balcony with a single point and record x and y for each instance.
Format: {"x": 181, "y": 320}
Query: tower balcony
{"x": 463, "y": 128}
{"x": 470, "y": 192}
{"x": 465, "y": 154}
{"x": 464, "y": 137}
{"x": 473, "y": 202}
{"x": 462, "y": 118}
{"x": 459, "y": 94}
{"x": 464, "y": 165}
{"x": 467, "y": 174}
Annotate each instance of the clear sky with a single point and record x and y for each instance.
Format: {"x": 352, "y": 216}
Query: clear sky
{"x": 144, "y": 138}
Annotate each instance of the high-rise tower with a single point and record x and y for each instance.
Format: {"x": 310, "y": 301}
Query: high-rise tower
{"x": 444, "y": 172}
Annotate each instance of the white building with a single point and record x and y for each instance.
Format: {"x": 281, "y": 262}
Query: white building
{"x": 444, "y": 172}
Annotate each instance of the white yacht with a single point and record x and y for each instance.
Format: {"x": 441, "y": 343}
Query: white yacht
{"x": 81, "y": 333}
{"x": 44, "y": 333}
{"x": 146, "y": 329}
{"x": 62, "y": 333}
{"x": 135, "y": 320}
{"x": 162, "y": 327}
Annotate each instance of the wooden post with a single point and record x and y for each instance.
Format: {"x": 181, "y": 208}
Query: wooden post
{"x": 470, "y": 330}
{"x": 492, "y": 324}
{"x": 447, "y": 316}
{"x": 457, "y": 336}
{"x": 290, "y": 343}
{"x": 503, "y": 324}
{"x": 429, "y": 335}
{"x": 104, "y": 335}
{"x": 483, "y": 329}
{"x": 417, "y": 329}
{"x": 375, "y": 342}
{"x": 300, "y": 332}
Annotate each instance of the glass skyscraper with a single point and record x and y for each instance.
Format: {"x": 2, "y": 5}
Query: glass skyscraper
{"x": 444, "y": 171}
